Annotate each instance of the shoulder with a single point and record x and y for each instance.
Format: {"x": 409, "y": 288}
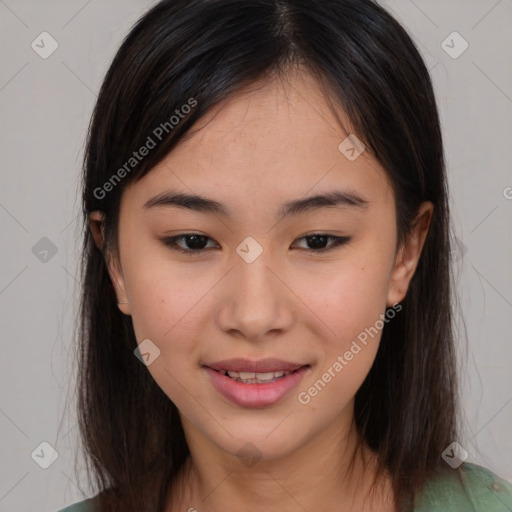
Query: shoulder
{"x": 88, "y": 505}
{"x": 470, "y": 488}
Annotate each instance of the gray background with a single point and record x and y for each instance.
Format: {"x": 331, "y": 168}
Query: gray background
{"x": 45, "y": 108}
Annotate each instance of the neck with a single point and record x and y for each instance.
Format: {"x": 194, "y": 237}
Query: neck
{"x": 323, "y": 475}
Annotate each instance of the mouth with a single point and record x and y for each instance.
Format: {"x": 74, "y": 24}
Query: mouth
{"x": 259, "y": 383}
{"x": 257, "y": 377}
{"x": 255, "y": 371}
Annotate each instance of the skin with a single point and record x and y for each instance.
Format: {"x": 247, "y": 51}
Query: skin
{"x": 274, "y": 143}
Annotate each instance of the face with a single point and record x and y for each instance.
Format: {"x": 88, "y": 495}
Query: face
{"x": 254, "y": 280}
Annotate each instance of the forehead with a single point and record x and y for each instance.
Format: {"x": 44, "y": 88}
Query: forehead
{"x": 272, "y": 141}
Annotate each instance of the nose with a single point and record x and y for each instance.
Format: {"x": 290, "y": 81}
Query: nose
{"x": 257, "y": 302}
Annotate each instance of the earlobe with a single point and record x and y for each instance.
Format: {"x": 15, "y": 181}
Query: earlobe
{"x": 398, "y": 282}
{"x": 409, "y": 255}
{"x": 96, "y": 223}
{"x": 97, "y": 228}
{"x": 118, "y": 283}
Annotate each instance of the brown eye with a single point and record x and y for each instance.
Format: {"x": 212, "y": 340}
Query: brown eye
{"x": 190, "y": 243}
{"x": 194, "y": 242}
{"x": 317, "y": 242}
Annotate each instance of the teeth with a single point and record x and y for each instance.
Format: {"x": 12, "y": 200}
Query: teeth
{"x": 253, "y": 377}
{"x": 242, "y": 375}
{"x": 267, "y": 376}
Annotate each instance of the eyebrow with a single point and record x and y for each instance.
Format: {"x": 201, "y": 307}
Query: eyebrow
{"x": 202, "y": 204}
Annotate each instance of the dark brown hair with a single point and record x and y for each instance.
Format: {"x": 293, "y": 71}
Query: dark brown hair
{"x": 406, "y": 409}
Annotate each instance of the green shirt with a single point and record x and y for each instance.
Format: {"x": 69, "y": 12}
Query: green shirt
{"x": 481, "y": 491}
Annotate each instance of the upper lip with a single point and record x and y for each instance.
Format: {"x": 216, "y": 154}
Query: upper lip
{"x": 259, "y": 366}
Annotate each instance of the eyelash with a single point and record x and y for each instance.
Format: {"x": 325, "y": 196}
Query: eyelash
{"x": 171, "y": 242}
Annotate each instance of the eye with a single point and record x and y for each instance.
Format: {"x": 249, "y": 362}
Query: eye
{"x": 196, "y": 242}
{"x": 318, "y": 241}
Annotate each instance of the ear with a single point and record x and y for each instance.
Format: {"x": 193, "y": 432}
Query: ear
{"x": 409, "y": 254}
{"x": 96, "y": 223}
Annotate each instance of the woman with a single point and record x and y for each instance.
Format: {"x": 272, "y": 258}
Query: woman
{"x": 266, "y": 316}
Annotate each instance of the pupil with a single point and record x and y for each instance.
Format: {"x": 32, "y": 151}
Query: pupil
{"x": 316, "y": 238}
{"x": 195, "y": 237}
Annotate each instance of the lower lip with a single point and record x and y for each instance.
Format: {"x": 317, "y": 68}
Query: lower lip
{"x": 255, "y": 395}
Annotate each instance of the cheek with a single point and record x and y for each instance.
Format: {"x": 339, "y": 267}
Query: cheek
{"x": 349, "y": 307}
{"x": 167, "y": 308}
{"x": 171, "y": 307}
{"x": 169, "y": 312}
{"x": 349, "y": 298}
